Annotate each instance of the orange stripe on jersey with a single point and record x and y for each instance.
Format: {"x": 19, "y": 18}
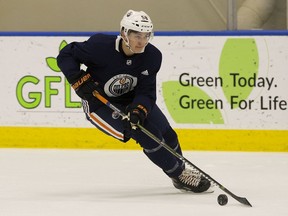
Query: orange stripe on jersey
{"x": 106, "y": 127}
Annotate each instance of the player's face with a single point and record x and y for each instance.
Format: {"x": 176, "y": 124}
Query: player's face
{"x": 138, "y": 41}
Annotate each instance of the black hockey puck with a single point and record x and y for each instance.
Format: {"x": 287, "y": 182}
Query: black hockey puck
{"x": 222, "y": 199}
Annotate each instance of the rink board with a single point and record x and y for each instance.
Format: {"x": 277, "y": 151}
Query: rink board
{"x": 219, "y": 90}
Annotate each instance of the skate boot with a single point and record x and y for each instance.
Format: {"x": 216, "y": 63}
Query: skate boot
{"x": 190, "y": 180}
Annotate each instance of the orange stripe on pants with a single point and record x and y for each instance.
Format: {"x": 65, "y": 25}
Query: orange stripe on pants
{"x": 106, "y": 127}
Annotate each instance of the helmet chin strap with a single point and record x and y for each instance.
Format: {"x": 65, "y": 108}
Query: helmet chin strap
{"x": 128, "y": 45}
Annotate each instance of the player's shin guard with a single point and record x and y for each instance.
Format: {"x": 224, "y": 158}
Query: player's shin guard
{"x": 171, "y": 137}
{"x": 165, "y": 160}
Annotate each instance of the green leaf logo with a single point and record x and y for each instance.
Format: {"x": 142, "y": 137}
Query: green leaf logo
{"x": 239, "y": 56}
{"x": 52, "y": 61}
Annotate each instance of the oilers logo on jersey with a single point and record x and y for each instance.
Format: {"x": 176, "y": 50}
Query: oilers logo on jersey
{"x": 119, "y": 85}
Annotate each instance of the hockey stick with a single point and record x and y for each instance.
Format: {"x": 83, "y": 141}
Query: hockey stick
{"x": 242, "y": 200}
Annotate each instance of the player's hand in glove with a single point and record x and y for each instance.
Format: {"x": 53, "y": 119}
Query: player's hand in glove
{"x": 137, "y": 113}
{"x": 85, "y": 85}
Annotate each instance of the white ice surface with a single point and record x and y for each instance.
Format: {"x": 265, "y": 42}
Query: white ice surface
{"x": 36, "y": 182}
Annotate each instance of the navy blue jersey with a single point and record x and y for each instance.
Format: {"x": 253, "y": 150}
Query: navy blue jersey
{"x": 124, "y": 79}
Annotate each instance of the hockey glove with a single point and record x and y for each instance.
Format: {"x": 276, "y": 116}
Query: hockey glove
{"x": 137, "y": 113}
{"x": 84, "y": 86}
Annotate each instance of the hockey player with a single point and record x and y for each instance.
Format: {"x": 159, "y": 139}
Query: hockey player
{"x": 123, "y": 69}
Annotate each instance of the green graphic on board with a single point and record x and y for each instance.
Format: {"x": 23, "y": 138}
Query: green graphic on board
{"x": 33, "y": 98}
{"x": 238, "y": 70}
{"x": 239, "y": 62}
{"x": 183, "y": 110}
{"x": 52, "y": 61}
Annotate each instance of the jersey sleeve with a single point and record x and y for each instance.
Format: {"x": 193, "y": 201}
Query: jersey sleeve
{"x": 73, "y": 55}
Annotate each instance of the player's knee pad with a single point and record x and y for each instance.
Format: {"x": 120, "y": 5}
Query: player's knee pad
{"x": 171, "y": 137}
{"x": 144, "y": 140}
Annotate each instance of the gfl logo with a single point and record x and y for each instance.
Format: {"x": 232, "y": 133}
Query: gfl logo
{"x": 33, "y": 98}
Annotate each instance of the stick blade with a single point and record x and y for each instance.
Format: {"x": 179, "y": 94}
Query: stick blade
{"x": 243, "y": 200}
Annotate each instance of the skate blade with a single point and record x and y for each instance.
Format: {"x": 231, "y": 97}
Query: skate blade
{"x": 209, "y": 191}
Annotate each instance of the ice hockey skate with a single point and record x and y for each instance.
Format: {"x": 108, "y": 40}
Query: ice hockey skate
{"x": 191, "y": 181}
